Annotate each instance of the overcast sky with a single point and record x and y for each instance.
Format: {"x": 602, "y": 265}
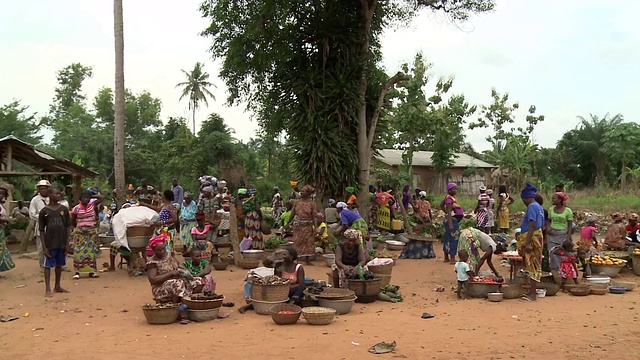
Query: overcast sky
{"x": 566, "y": 57}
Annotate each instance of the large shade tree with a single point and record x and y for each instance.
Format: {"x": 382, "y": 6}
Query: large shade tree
{"x": 311, "y": 68}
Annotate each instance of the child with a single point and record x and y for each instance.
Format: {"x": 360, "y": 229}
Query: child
{"x": 463, "y": 272}
{"x": 199, "y": 267}
{"x": 322, "y": 232}
{"x": 582, "y": 258}
{"x": 54, "y": 222}
{"x": 588, "y": 235}
{"x": 568, "y": 268}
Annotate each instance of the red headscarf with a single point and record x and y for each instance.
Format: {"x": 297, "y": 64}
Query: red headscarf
{"x": 564, "y": 197}
{"x": 157, "y": 241}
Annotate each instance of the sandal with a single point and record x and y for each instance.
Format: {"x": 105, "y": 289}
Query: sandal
{"x": 525, "y": 298}
{"x": 76, "y": 276}
{"x": 93, "y": 275}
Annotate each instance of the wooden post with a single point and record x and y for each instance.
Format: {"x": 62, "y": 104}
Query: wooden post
{"x": 9, "y": 157}
{"x": 233, "y": 233}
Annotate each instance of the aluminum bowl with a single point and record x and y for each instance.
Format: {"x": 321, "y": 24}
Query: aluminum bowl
{"x": 394, "y": 245}
{"x": 253, "y": 254}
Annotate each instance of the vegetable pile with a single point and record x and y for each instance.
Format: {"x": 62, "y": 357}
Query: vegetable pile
{"x": 390, "y": 293}
{"x": 286, "y": 312}
{"x": 270, "y": 280}
{"x": 485, "y": 280}
{"x": 360, "y": 274}
{"x": 206, "y": 296}
{"x": 273, "y": 242}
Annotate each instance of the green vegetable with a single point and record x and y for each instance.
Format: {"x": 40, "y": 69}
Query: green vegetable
{"x": 361, "y": 272}
{"x": 384, "y": 297}
{"x": 273, "y": 242}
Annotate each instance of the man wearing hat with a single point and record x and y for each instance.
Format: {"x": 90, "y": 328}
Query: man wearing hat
{"x": 38, "y": 203}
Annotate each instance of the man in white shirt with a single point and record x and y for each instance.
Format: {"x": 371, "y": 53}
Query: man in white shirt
{"x": 37, "y": 204}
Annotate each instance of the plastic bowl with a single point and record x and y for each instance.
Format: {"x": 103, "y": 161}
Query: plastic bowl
{"x": 629, "y": 286}
{"x": 540, "y": 293}
{"x": 617, "y": 290}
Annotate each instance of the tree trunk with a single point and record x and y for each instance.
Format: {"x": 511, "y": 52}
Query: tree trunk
{"x": 119, "y": 136}
{"x": 623, "y": 176}
{"x": 193, "y": 106}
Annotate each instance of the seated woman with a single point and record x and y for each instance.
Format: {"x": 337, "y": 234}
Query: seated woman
{"x": 352, "y": 220}
{"x": 167, "y": 284}
{"x": 473, "y": 240}
{"x": 200, "y": 268}
{"x": 294, "y": 272}
{"x": 616, "y": 234}
{"x": 167, "y": 218}
{"x": 349, "y": 254}
{"x": 202, "y": 237}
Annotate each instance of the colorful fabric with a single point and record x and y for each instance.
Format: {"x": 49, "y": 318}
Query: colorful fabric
{"x": 532, "y": 259}
{"x": 85, "y": 215}
{"x": 372, "y": 219}
{"x": 555, "y": 238}
{"x": 347, "y": 217}
{"x": 185, "y": 232}
{"x": 253, "y": 230}
{"x": 195, "y": 269}
{"x": 455, "y": 206}
{"x": 188, "y": 211}
{"x": 450, "y": 239}
{"x": 115, "y": 249}
{"x": 384, "y": 218}
{"x": 422, "y": 208}
{"x": 616, "y": 234}
{"x": 169, "y": 233}
{"x": 205, "y": 247}
{"x": 469, "y": 241}
{"x": 418, "y": 250}
{"x": 178, "y": 287}
{"x": 503, "y": 212}
{"x": 277, "y": 206}
{"x": 568, "y": 269}
{"x": 85, "y": 249}
{"x": 303, "y": 237}
{"x": 240, "y": 217}
{"x": 6, "y": 261}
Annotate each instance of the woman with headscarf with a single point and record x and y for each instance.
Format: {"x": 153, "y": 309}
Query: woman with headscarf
{"x": 482, "y": 210}
{"x": 85, "y": 235}
{"x": 383, "y": 215}
{"x": 530, "y": 240}
{"x": 472, "y": 241}
{"x": 352, "y": 199}
{"x": 503, "y": 209}
{"x": 304, "y": 223}
{"x": 453, "y": 214}
{"x": 331, "y": 213}
{"x": 560, "y": 229}
{"x": 167, "y": 218}
{"x": 167, "y": 283}
{"x": 187, "y": 219}
{"x": 352, "y": 220}
{"x": 422, "y": 212}
{"x": 208, "y": 203}
{"x": 276, "y": 203}
{"x": 616, "y": 233}
{"x": 6, "y": 262}
{"x": 349, "y": 255}
{"x": 202, "y": 237}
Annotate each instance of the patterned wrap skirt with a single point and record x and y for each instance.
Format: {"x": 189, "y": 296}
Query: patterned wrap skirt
{"x": 85, "y": 249}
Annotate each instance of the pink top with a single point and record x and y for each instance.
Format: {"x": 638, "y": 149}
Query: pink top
{"x": 85, "y": 215}
{"x": 195, "y": 231}
{"x": 587, "y": 231}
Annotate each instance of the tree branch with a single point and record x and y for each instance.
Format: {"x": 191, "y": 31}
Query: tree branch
{"x": 383, "y": 93}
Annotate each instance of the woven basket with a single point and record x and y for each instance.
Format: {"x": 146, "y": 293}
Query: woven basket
{"x": 599, "y": 286}
{"x": 248, "y": 264}
{"x": 365, "y": 287}
{"x": 599, "y": 291}
{"x": 386, "y": 279}
{"x": 316, "y": 315}
{"x": 381, "y": 269}
{"x": 580, "y": 291}
{"x": 140, "y": 231}
{"x": 270, "y": 292}
{"x": 161, "y": 316}
{"x": 196, "y": 304}
{"x": 512, "y": 291}
{"x": 220, "y": 265}
{"x": 285, "y": 319}
{"x": 635, "y": 262}
{"x": 334, "y": 294}
{"x": 552, "y": 288}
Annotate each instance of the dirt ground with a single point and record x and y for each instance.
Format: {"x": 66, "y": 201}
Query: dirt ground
{"x": 101, "y": 318}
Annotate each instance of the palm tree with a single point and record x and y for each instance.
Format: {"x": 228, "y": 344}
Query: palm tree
{"x": 620, "y": 143}
{"x": 119, "y": 136}
{"x": 592, "y": 138}
{"x": 196, "y": 88}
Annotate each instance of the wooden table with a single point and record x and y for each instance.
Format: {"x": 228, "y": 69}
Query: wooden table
{"x": 514, "y": 264}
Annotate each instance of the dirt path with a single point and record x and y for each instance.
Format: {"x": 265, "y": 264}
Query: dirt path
{"x": 101, "y": 318}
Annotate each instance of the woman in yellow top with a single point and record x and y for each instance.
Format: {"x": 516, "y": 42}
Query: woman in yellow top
{"x": 503, "y": 209}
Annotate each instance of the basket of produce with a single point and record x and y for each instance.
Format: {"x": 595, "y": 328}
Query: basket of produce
{"x": 369, "y": 286}
{"x": 617, "y": 290}
{"x": 203, "y": 315}
{"x": 317, "y": 315}
{"x": 514, "y": 291}
{"x": 161, "y": 314}
{"x": 342, "y": 306}
{"x": 381, "y": 269}
{"x": 551, "y": 288}
{"x": 248, "y": 264}
{"x": 332, "y": 293}
{"x": 270, "y": 288}
{"x": 140, "y": 231}
{"x": 264, "y": 307}
{"x": 606, "y": 265}
{"x": 580, "y": 290}
{"x": 202, "y": 301}
{"x": 253, "y": 254}
{"x": 220, "y": 265}
{"x": 627, "y": 285}
{"x": 285, "y": 314}
{"x": 480, "y": 286}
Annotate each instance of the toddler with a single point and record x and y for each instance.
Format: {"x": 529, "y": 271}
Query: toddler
{"x": 463, "y": 272}
{"x": 568, "y": 268}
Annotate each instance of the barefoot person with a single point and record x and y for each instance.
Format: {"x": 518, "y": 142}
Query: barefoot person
{"x": 530, "y": 239}
{"x": 85, "y": 235}
{"x": 54, "y": 223}
{"x": 6, "y": 262}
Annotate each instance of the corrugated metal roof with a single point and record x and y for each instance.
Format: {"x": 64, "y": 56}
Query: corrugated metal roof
{"x": 393, "y": 157}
